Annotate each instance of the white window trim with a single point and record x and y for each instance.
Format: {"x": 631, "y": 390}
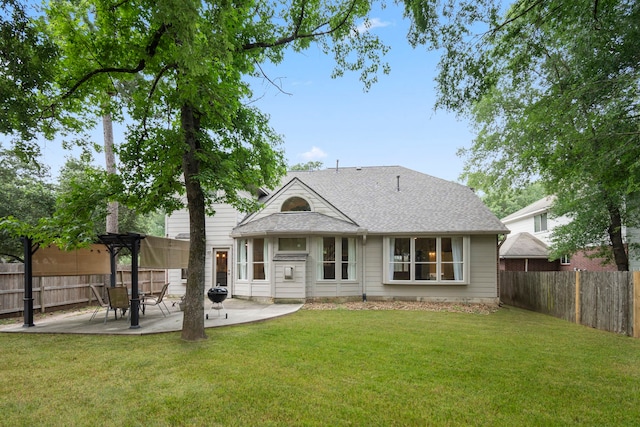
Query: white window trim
{"x": 265, "y": 262}
{"x": 538, "y": 218}
{"x": 466, "y": 260}
{"x": 242, "y": 264}
{"x": 299, "y": 251}
{"x": 337, "y": 262}
{"x": 248, "y": 264}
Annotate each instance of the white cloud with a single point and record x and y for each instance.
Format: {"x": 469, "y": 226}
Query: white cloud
{"x": 314, "y": 154}
{"x": 371, "y": 24}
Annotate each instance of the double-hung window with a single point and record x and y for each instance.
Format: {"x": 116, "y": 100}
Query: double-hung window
{"x": 540, "y": 222}
{"x": 259, "y": 256}
{"x": 337, "y": 258}
{"x": 242, "y": 258}
{"x": 252, "y": 256}
{"x": 426, "y": 259}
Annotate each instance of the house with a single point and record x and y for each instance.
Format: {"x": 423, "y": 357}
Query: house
{"x": 350, "y": 233}
{"x": 525, "y": 252}
{"x": 527, "y": 247}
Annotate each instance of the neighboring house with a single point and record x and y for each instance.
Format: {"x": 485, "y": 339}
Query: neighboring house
{"x": 524, "y": 252}
{"x": 530, "y": 237}
{"x": 373, "y": 232}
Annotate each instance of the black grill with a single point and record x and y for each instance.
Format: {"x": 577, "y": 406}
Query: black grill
{"x": 217, "y": 294}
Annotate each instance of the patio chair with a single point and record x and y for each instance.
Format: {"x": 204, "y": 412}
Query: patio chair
{"x": 118, "y": 299}
{"x": 102, "y": 303}
{"x": 158, "y": 301}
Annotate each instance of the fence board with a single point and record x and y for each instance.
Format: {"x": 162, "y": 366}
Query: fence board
{"x": 605, "y": 298}
{"x": 53, "y": 292}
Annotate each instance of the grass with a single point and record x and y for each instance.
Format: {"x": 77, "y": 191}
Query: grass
{"x": 340, "y": 367}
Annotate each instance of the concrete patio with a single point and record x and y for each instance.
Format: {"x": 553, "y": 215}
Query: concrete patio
{"x": 152, "y": 322}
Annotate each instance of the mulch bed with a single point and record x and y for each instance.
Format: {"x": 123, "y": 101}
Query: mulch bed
{"x": 404, "y": 305}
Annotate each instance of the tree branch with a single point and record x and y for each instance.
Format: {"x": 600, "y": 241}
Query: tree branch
{"x": 117, "y": 5}
{"x": 151, "y": 49}
{"x": 269, "y": 80}
{"x": 296, "y": 36}
{"x": 514, "y": 18}
{"x": 13, "y": 257}
{"x": 145, "y": 132}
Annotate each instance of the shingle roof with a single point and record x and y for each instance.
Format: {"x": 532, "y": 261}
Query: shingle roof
{"x": 394, "y": 199}
{"x": 532, "y": 209}
{"x": 296, "y": 223}
{"x": 524, "y": 245}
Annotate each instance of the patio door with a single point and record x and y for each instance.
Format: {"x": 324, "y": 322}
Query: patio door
{"x": 221, "y": 267}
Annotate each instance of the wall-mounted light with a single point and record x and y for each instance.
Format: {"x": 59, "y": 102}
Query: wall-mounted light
{"x": 288, "y": 273}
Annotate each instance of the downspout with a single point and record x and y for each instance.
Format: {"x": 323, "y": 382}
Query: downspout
{"x": 500, "y": 243}
{"x": 364, "y": 268}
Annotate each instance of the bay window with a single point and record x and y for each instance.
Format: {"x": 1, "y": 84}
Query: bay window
{"x": 426, "y": 259}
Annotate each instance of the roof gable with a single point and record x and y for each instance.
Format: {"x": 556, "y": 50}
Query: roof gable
{"x": 296, "y": 188}
{"x": 535, "y": 208}
{"x": 524, "y": 245}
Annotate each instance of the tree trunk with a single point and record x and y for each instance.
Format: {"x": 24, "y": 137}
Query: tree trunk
{"x": 615, "y": 234}
{"x": 110, "y": 160}
{"x": 193, "y": 322}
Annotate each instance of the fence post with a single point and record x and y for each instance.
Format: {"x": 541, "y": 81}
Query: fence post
{"x": 636, "y": 304}
{"x": 577, "y": 297}
{"x": 42, "y": 297}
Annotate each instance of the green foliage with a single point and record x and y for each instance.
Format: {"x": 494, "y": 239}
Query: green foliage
{"x": 79, "y": 178}
{"x": 309, "y": 166}
{"x": 505, "y": 201}
{"x": 553, "y": 90}
{"x": 26, "y": 193}
{"x": 27, "y": 57}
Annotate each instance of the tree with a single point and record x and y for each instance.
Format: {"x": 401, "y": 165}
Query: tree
{"x": 26, "y": 58}
{"x": 553, "y": 90}
{"x": 110, "y": 163}
{"x": 78, "y": 178}
{"x": 26, "y": 193}
{"x": 504, "y": 201}
{"x": 309, "y": 166}
{"x": 183, "y": 63}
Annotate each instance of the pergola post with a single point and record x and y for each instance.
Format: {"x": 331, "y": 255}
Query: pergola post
{"x": 28, "y": 281}
{"x": 135, "y": 296}
{"x": 114, "y": 242}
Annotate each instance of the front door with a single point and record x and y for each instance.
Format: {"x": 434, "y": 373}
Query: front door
{"x": 221, "y": 267}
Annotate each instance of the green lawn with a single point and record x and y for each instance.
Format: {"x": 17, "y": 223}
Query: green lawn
{"x": 340, "y": 367}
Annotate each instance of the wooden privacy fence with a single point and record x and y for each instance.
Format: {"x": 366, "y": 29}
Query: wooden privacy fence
{"x": 603, "y": 300}
{"x": 56, "y": 292}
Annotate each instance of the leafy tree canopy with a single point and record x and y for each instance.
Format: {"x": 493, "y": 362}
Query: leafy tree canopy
{"x": 27, "y": 193}
{"x": 553, "y": 89}
{"x": 503, "y": 202}
{"x": 309, "y": 166}
{"x": 26, "y": 59}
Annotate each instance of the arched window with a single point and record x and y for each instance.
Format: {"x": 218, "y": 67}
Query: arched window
{"x": 295, "y": 204}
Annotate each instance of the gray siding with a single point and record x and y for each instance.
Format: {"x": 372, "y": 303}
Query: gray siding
{"x": 482, "y": 286}
{"x": 218, "y": 228}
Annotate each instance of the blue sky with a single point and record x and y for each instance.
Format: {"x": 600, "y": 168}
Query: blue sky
{"x": 329, "y": 120}
{"x": 394, "y": 123}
